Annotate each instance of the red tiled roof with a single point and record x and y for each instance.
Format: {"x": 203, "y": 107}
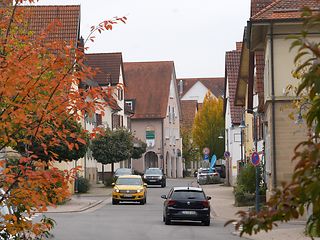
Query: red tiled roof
{"x": 188, "y": 110}
{"x": 232, "y": 71}
{"x": 39, "y": 17}
{"x": 149, "y": 84}
{"x": 215, "y": 85}
{"x": 258, "y": 5}
{"x": 285, "y": 9}
{"x": 107, "y": 65}
{"x": 259, "y": 86}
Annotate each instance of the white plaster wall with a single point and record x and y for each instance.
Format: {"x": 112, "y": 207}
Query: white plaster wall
{"x": 231, "y": 143}
{"x": 197, "y": 92}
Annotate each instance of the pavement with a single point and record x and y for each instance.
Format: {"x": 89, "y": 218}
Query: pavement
{"x": 222, "y": 208}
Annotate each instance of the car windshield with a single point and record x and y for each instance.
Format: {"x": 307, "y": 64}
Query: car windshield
{"x": 153, "y": 171}
{"x": 123, "y": 171}
{"x": 129, "y": 181}
{"x": 187, "y": 194}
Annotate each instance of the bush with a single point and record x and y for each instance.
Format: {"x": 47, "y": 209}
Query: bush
{"x": 108, "y": 181}
{"x": 242, "y": 197}
{"x": 244, "y": 191}
{"x": 83, "y": 185}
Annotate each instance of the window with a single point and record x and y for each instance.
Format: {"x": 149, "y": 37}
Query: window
{"x": 173, "y": 116}
{"x": 120, "y": 94}
{"x": 98, "y": 119}
{"x": 169, "y": 114}
{"x": 129, "y": 104}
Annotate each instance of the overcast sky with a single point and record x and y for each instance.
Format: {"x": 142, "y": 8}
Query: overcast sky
{"x": 195, "y": 34}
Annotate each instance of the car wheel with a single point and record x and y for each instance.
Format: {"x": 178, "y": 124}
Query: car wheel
{"x": 207, "y": 222}
{"x": 114, "y": 201}
{"x": 167, "y": 221}
{"x": 163, "y": 184}
{"x": 145, "y": 200}
{"x": 163, "y": 219}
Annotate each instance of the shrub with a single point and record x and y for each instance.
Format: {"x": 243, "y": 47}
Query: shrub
{"x": 108, "y": 181}
{"x": 244, "y": 191}
{"x": 83, "y": 185}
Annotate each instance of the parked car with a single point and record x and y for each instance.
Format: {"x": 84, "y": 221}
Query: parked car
{"x": 154, "y": 176}
{"x": 207, "y": 176}
{"x": 129, "y": 188}
{"x": 122, "y": 171}
{"x": 186, "y": 203}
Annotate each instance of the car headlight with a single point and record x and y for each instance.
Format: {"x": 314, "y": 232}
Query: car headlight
{"x": 116, "y": 190}
{"x": 160, "y": 177}
{"x": 139, "y": 190}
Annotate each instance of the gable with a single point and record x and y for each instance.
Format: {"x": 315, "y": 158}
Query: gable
{"x": 196, "y": 92}
{"x": 148, "y": 83}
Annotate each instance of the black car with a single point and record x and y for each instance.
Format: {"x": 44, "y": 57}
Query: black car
{"x": 154, "y": 176}
{"x": 122, "y": 171}
{"x": 186, "y": 203}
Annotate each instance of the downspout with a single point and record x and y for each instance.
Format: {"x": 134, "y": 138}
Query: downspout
{"x": 274, "y": 178}
{"x": 162, "y": 144}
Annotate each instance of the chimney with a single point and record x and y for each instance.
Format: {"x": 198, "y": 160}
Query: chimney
{"x": 238, "y": 46}
{"x": 258, "y": 5}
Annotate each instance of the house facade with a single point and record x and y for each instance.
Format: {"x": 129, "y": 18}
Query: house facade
{"x": 234, "y": 143}
{"x": 153, "y": 97}
{"x": 267, "y": 32}
{"x": 110, "y": 77}
{"x": 192, "y": 92}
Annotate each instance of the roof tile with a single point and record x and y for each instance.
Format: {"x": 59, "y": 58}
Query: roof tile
{"x": 232, "y": 72}
{"x": 39, "y": 17}
{"x": 188, "y": 110}
{"x": 285, "y": 9}
{"x": 149, "y": 84}
{"x": 107, "y": 65}
{"x": 215, "y": 85}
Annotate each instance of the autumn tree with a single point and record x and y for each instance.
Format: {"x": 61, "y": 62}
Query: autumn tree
{"x": 39, "y": 79}
{"x": 74, "y": 148}
{"x": 302, "y": 192}
{"x": 209, "y": 125}
{"x": 190, "y": 150}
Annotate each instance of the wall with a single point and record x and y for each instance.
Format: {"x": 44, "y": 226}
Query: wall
{"x": 197, "y": 92}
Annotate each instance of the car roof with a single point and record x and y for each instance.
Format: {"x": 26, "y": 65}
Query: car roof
{"x": 188, "y": 188}
{"x": 129, "y": 176}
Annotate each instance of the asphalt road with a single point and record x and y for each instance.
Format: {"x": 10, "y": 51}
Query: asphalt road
{"x": 135, "y": 222}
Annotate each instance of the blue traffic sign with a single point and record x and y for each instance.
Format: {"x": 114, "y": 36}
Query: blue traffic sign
{"x": 206, "y": 157}
{"x": 255, "y": 159}
{"x": 226, "y": 154}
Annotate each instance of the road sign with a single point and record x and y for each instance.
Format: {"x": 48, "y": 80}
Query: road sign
{"x": 255, "y": 159}
{"x": 206, "y": 151}
{"x": 206, "y": 157}
{"x": 226, "y": 154}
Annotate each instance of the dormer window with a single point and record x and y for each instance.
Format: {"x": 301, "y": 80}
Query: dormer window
{"x": 129, "y": 104}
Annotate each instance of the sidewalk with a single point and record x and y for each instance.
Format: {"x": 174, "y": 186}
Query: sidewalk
{"x": 223, "y": 208}
{"x": 81, "y": 202}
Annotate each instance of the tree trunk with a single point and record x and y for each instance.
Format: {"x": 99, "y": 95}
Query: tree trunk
{"x": 102, "y": 173}
{"x": 112, "y": 168}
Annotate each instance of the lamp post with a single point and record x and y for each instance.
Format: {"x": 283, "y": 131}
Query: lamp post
{"x": 242, "y": 126}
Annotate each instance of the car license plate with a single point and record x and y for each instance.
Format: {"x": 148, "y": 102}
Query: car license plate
{"x": 127, "y": 195}
{"x": 152, "y": 180}
{"x": 189, "y": 212}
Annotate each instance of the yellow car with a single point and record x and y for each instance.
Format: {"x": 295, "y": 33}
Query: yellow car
{"x": 129, "y": 188}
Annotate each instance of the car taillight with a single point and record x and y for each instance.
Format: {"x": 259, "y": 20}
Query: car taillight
{"x": 205, "y": 203}
{"x": 171, "y": 202}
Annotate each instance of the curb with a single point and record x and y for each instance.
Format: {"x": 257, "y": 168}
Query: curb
{"x": 91, "y": 205}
